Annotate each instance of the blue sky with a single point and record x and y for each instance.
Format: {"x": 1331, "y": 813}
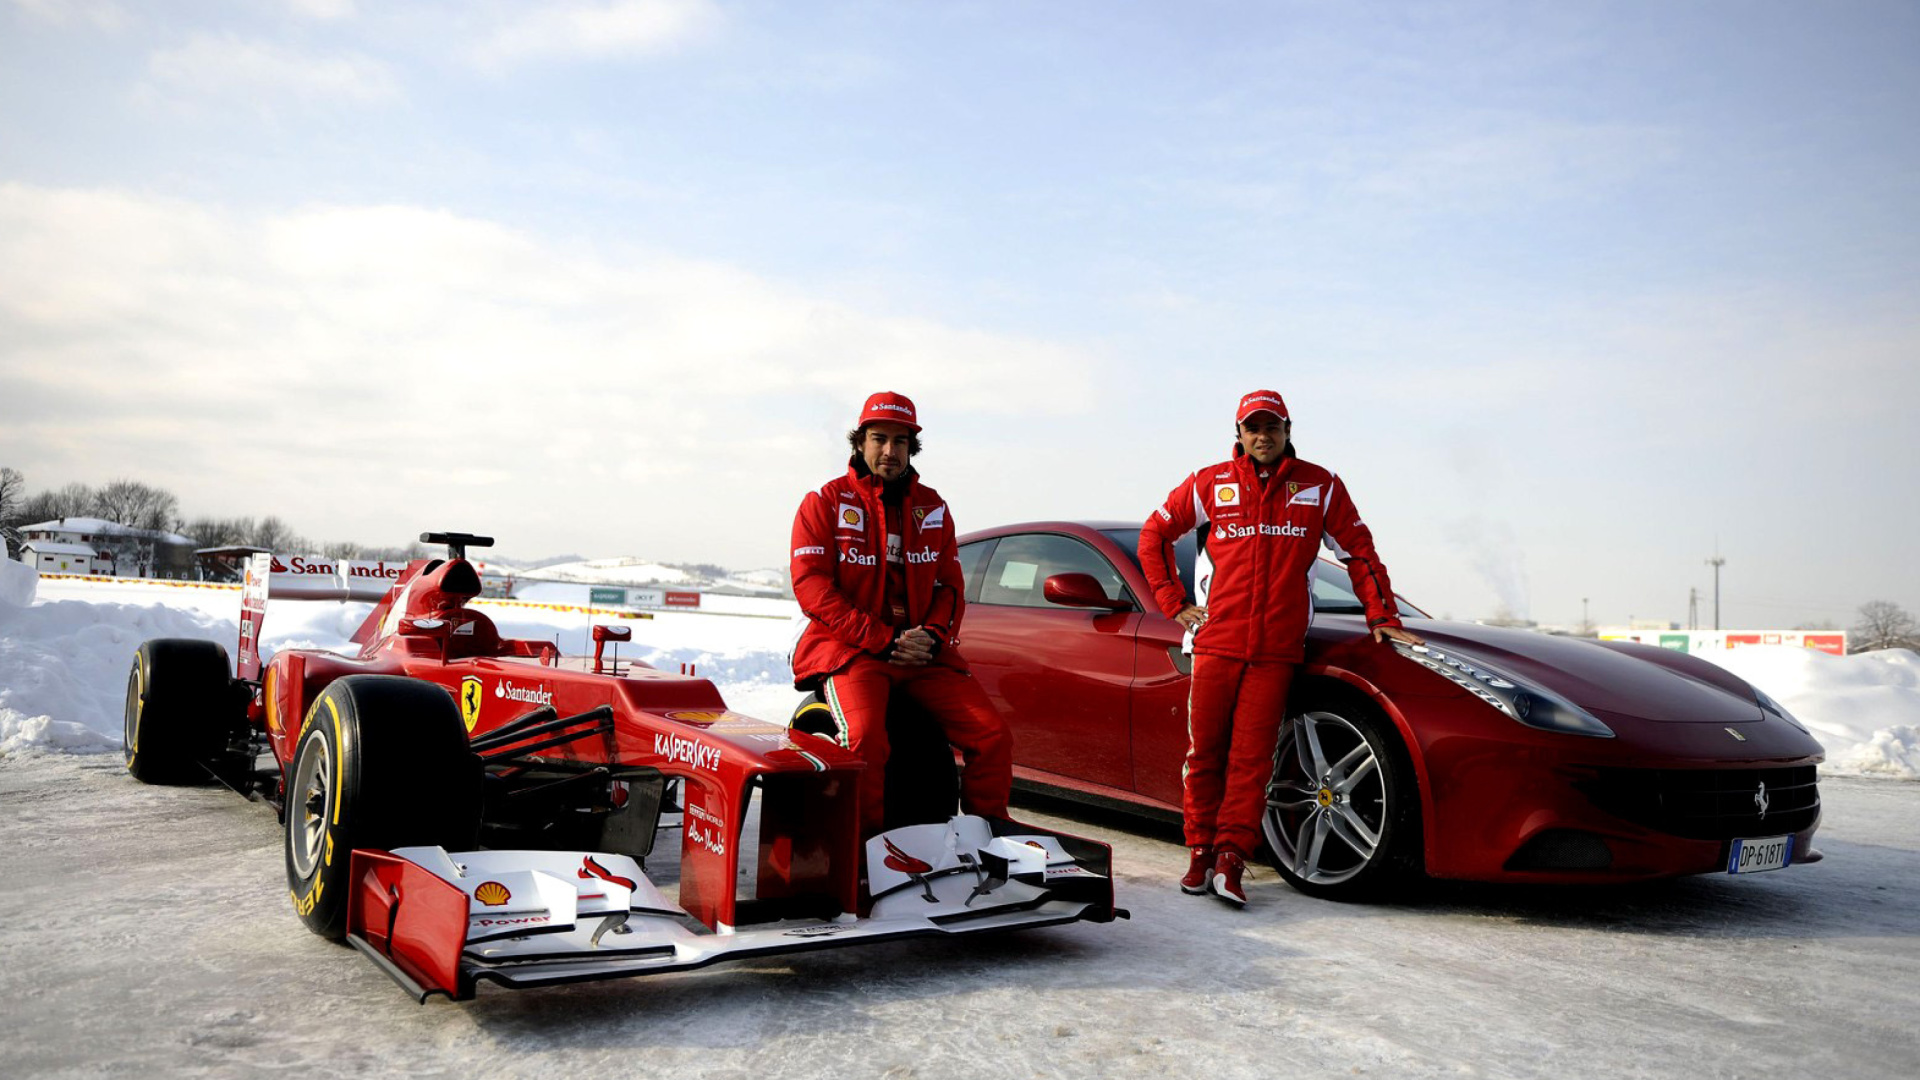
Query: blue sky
{"x": 1568, "y": 293}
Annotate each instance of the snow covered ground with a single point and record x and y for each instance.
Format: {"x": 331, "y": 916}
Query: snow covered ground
{"x": 63, "y": 661}
{"x": 149, "y": 932}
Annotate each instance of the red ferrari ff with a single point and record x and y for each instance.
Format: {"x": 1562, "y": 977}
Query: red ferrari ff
{"x": 1487, "y": 754}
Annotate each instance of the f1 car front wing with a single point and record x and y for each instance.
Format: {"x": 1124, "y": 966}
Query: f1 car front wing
{"x": 440, "y": 922}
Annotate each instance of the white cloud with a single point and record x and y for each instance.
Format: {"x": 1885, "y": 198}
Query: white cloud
{"x": 363, "y": 371}
{"x": 322, "y": 9}
{"x": 613, "y": 28}
{"x": 99, "y": 14}
{"x": 227, "y": 67}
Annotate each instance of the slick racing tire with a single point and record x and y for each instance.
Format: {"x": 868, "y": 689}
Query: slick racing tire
{"x": 1343, "y": 808}
{"x": 382, "y": 762}
{"x": 922, "y": 784}
{"x": 181, "y": 707}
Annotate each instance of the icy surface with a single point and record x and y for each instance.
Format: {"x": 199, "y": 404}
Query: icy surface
{"x": 186, "y": 959}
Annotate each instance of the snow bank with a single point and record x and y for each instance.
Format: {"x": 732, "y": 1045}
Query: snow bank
{"x": 63, "y": 664}
{"x": 17, "y": 582}
{"x": 63, "y": 668}
{"x": 64, "y": 660}
{"x": 1864, "y": 708}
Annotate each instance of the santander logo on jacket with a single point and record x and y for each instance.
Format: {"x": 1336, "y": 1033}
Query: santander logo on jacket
{"x": 843, "y": 552}
{"x": 1259, "y": 537}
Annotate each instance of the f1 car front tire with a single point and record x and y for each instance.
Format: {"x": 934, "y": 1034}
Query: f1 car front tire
{"x": 922, "y": 786}
{"x": 180, "y": 708}
{"x": 382, "y": 762}
{"x": 1343, "y": 808}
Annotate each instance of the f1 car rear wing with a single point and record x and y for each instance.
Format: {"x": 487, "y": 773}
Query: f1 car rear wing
{"x": 300, "y": 577}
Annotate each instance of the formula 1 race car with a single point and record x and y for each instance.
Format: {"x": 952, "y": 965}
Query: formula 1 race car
{"x": 463, "y": 807}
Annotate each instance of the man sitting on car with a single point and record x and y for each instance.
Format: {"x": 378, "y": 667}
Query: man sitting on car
{"x": 1261, "y": 516}
{"x": 876, "y": 573}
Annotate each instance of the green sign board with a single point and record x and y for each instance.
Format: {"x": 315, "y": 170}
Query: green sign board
{"x": 1676, "y": 642}
{"x": 600, "y": 595}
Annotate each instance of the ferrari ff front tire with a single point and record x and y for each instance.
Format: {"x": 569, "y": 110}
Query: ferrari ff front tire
{"x": 180, "y": 709}
{"x": 1343, "y": 808}
{"x": 382, "y": 762}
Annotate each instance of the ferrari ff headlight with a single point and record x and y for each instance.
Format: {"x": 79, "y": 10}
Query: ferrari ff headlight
{"x": 1775, "y": 708}
{"x": 1530, "y": 705}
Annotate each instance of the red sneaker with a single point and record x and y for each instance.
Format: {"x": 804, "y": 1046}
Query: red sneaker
{"x": 1226, "y": 879}
{"x": 1195, "y": 883}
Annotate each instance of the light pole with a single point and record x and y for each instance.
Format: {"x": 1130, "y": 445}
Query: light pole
{"x": 1716, "y": 562}
{"x": 1586, "y": 624}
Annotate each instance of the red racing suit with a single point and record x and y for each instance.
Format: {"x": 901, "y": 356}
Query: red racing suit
{"x": 1259, "y": 536}
{"x": 845, "y": 539}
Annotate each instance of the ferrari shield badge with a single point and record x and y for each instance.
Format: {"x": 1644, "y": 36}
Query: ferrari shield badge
{"x": 470, "y": 698}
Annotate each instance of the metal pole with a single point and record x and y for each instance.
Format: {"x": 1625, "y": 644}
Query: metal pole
{"x": 1716, "y": 562}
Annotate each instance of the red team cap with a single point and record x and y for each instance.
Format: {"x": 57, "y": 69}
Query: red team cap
{"x": 1260, "y": 401}
{"x": 889, "y": 407}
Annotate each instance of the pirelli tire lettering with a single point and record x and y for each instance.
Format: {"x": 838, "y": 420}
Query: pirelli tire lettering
{"x": 382, "y": 762}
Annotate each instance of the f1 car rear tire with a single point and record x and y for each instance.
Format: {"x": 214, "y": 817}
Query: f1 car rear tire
{"x": 181, "y": 706}
{"x": 1343, "y": 809}
{"x": 922, "y": 784}
{"x": 382, "y": 762}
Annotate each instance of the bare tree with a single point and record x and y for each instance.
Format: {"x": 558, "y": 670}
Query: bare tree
{"x": 341, "y": 549}
{"x": 219, "y": 532}
{"x": 277, "y": 536}
{"x": 1884, "y": 625}
{"x": 13, "y": 491}
{"x": 73, "y": 500}
{"x": 137, "y": 505}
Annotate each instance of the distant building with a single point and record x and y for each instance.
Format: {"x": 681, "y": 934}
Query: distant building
{"x": 1699, "y": 641}
{"x": 88, "y": 545}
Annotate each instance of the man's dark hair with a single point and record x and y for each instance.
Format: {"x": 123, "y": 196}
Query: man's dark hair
{"x": 858, "y": 436}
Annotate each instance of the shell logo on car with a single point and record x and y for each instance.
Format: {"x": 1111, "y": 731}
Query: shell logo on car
{"x": 492, "y": 894}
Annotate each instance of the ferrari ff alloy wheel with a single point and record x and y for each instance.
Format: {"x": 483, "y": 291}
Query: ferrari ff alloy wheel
{"x": 1342, "y": 809}
{"x": 383, "y": 762}
{"x": 180, "y": 706}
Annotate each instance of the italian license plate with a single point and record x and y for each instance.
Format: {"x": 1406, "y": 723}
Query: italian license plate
{"x": 1753, "y": 856}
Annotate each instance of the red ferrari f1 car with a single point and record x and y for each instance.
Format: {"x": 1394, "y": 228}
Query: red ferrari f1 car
{"x": 463, "y": 807}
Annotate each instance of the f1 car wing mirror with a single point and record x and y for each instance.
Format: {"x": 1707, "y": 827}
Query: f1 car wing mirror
{"x": 604, "y": 634}
{"x": 1080, "y": 590}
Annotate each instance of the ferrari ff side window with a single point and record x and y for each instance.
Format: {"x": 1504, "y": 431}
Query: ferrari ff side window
{"x": 1018, "y": 570}
{"x": 973, "y": 559}
{"x": 1183, "y": 554}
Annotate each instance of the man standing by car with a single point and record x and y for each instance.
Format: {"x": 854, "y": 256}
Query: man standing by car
{"x": 1259, "y": 515}
{"x": 876, "y": 573}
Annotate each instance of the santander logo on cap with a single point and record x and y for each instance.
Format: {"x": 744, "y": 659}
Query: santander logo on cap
{"x": 889, "y": 407}
{"x": 1260, "y": 401}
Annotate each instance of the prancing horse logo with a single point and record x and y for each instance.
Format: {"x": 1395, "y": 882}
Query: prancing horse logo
{"x": 1760, "y": 800}
{"x": 470, "y": 698}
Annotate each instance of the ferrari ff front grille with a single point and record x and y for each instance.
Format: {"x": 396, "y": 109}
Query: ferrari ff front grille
{"x": 1711, "y": 804}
